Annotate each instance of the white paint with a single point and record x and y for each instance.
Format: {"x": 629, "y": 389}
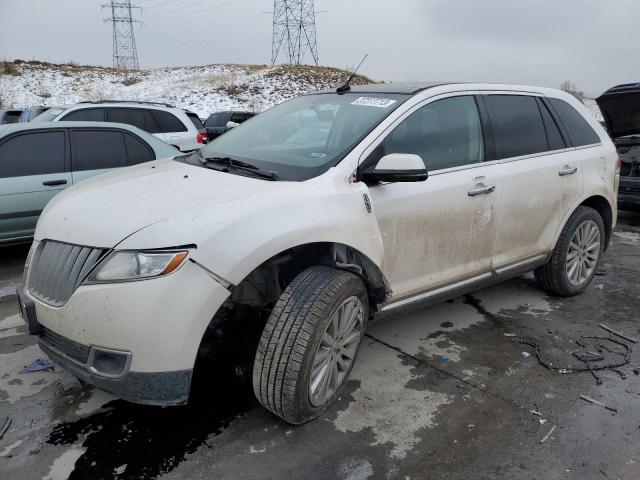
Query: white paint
{"x": 64, "y": 465}
{"x": 255, "y": 450}
{"x": 30, "y": 383}
{"x": 395, "y": 414}
{"x": 10, "y": 448}
{"x": 96, "y": 400}
{"x": 355, "y": 469}
{"x": 628, "y": 238}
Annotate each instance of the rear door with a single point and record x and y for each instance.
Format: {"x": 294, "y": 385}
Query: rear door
{"x": 94, "y": 151}
{"x": 33, "y": 168}
{"x": 531, "y": 151}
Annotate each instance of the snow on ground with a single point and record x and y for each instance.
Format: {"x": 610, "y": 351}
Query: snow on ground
{"x": 592, "y": 106}
{"x": 201, "y": 89}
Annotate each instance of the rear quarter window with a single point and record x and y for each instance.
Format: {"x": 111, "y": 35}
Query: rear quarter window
{"x": 579, "y": 131}
{"x": 168, "y": 122}
{"x": 195, "y": 120}
{"x": 137, "y": 150}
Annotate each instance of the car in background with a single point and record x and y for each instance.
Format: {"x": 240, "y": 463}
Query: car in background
{"x": 38, "y": 160}
{"x": 620, "y": 106}
{"x": 9, "y": 116}
{"x": 218, "y": 123}
{"x": 177, "y": 127}
{"x": 28, "y": 114}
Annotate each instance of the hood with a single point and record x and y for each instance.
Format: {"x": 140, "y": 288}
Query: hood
{"x": 106, "y": 209}
{"x": 621, "y": 111}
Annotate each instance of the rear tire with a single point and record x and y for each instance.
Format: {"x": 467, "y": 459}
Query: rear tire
{"x": 304, "y": 339}
{"x": 576, "y": 256}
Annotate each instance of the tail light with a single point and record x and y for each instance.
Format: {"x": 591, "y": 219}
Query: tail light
{"x": 202, "y": 137}
{"x": 618, "y": 164}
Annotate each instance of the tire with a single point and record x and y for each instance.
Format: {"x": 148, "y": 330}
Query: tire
{"x": 554, "y": 276}
{"x": 295, "y": 334}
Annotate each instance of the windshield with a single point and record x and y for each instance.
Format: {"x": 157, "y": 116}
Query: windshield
{"x": 304, "y": 137}
{"x": 49, "y": 115}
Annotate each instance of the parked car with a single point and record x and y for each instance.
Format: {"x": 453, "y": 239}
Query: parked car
{"x": 28, "y": 114}
{"x": 280, "y": 253}
{"x": 9, "y": 116}
{"x": 218, "y": 122}
{"x": 175, "y": 126}
{"x": 39, "y": 160}
{"x": 620, "y": 107}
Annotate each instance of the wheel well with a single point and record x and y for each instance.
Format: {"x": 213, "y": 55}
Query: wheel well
{"x": 602, "y": 206}
{"x": 234, "y": 332}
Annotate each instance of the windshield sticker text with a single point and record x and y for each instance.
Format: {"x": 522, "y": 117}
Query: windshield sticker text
{"x": 374, "y": 102}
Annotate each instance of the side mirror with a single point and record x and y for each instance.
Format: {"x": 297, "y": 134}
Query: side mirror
{"x": 396, "y": 167}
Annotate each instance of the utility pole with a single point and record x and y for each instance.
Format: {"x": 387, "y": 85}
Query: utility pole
{"x": 125, "y": 55}
{"x": 294, "y": 31}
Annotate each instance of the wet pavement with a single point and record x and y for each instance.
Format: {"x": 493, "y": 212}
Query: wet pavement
{"x": 441, "y": 392}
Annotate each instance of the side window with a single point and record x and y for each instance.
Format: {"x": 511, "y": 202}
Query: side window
{"x": 240, "y": 117}
{"x": 580, "y": 132}
{"x": 138, "y": 117}
{"x": 169, "y": 122}
{"x": 137, "y": 151}
{"x": 213, "y": 120}
{"x": 554, "y": 137}
{"x": 96, "y": 149}
{"x": 32, "y": 154}
{"x": 85, "y": 115}
{"x": 446, "y": 133}
{"x": 517, "y": 125}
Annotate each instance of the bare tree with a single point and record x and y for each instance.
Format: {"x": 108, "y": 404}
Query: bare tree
{"x": 573, "y": 89}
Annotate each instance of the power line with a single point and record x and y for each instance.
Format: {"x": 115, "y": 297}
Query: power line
{"x": 125, "y": 54}
{"x": 294, "y": 31}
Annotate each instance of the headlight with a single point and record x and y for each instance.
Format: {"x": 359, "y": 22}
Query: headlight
{"x": 125, "y": 266}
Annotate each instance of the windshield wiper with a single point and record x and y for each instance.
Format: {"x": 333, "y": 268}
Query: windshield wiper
{"x": 238, "y": 165}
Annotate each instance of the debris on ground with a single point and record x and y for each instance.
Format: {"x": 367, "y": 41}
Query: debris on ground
{"x": 526, "y": 354}
{"x": 5, "y": 426}
{"x": 601, "y": 272}
{"x": 546, "y": 437}
{"x": 596, "y": 402}
{"x": 507, "y": 334}
{"x": 595, "y": 353}
{"x": 446, "y": 324}
{"x": 442, "y": 358}
{"x": 39, "y": 365}
{"x": 617, "y": 334}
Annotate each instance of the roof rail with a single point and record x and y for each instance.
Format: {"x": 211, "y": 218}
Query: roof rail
{"x": 130, "y": 101}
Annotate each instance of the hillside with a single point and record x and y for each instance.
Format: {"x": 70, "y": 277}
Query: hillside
{"x": 201, "y": 89}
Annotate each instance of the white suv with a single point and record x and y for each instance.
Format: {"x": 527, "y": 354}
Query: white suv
{"x": 281, "y": 239}
{"x": 180, "y": 128}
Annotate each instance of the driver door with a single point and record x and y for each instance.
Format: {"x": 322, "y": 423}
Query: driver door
{"x": 440, "y": 231}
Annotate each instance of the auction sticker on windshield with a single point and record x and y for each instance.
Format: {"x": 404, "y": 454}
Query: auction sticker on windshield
{"x": 374, "y": 102}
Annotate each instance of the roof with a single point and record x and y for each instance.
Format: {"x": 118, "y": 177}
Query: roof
{"x": 410, "y": 88}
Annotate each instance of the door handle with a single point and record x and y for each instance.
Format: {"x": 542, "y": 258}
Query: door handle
{"x": 54, "y": 183}
{"x": 567, "y": 170}
{"x": 481, "y": 190}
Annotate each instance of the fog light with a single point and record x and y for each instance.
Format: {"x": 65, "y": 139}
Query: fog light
{"x": 109, "y": 363}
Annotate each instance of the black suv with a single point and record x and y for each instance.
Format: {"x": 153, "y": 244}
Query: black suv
{"x": 217, "y": 122}
{"x": 620, "y": 107}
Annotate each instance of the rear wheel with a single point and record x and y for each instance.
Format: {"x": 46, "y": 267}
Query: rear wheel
{"x": 575, "y": 258}
{"x": 310, "y": 343}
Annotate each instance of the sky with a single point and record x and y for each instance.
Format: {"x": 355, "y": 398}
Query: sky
{"x": 593, "y": 43}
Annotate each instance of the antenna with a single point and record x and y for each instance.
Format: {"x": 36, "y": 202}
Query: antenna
{"x": 347, "y": 86}
{"x": 294, "y": 31}
{"x": 125, "y": 54}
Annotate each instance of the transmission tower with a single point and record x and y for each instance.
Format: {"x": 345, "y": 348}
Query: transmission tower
{"x": 125, "y": 55}
{"x": 294, "y": 31}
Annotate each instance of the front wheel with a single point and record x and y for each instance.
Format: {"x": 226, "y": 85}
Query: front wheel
{"x": 575, "y": 258}
{"x": 310, "y": 343}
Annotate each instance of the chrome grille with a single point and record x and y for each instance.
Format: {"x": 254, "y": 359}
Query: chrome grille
{"x": 57, "y": 269}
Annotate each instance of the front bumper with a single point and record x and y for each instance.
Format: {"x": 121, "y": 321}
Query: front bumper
{"x": 157, "y": 324}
